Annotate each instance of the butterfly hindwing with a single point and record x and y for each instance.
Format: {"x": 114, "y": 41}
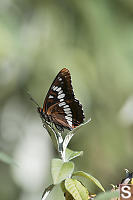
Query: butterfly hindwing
{"x": 68, "y": 113}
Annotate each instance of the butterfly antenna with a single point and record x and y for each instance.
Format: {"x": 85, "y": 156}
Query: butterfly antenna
{"x": 33, "y": 100}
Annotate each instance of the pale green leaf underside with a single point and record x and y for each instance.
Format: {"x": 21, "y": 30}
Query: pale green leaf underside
{"x": 78, "y": 127}
{"x": 88, "y": 176}
{"x": 61, "y": 170}
{"x": 47, "y": 191}
{"x": 69, "y": 137}
{"x": 72, "y": 154}
{"x": 76, "y": 189}
{"x": 57, "y": 138}
{"x": 52, "y": 134}
{"x": 107, "y": 195}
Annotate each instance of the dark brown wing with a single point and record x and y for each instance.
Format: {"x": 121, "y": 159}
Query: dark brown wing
{"x": 61, "y": 87}
{"x": 61, "y": 104}
{"x": 68, "y": 114}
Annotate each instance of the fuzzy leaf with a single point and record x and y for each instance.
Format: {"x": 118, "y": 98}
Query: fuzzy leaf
{"x": 88, "y": 176}
{"x": 69, "y": 137}
{"x": 68, "y": 196}
{"x": 78, "y": 127}
{"x": 55, "y": 136}
{"x": 76, "y": 189}
{"x": 47, "y": 191}
{"x": 51, "y": 132}
{"x": 72, "y": 154}
{"x": 61, "y": 170}
{"x": 109, "y": 195}
{"x": 66, "y": 142}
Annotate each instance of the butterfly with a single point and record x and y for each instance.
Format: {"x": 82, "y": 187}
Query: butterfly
{"x": 128, "y": 179}
{"x": 60, "y": 105}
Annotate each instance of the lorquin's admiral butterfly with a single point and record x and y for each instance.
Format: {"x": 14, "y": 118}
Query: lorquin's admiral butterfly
{"x": 60, "y": 105}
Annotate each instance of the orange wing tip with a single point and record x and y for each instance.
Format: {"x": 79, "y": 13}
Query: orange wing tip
{"x": 65, "y": 70}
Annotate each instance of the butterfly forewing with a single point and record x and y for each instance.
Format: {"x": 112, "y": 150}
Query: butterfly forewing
{"x": 61, "y": 88}
{"x": 60, "y": 102}
{"x": 77, "y": 112}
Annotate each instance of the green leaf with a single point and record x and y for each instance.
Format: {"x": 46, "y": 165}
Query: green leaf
{"x": 72, "y": 154}
{"x": 66, "y": 141}
{"x": 61, "y": 170}
{"x": 69, "y": 137}
{"x": 63, "y": 186}
{"x": 78, "y": 127}
{"x": 47, "y": 191}
{"x": 88, "y": 176}
{"x": 76, "y": 189}
{"x": 6, "y": 159}
{"x": 109, "y": 195}
{"x": 55, "y": 136}
{"x": 67, "y": 195}
{"x": 51, "y": 133}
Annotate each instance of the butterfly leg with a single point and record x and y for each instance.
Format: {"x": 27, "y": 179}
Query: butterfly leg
{"x": 59, "y": 127}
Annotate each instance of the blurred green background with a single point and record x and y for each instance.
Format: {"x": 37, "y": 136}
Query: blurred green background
{"x": 94, "y": 40}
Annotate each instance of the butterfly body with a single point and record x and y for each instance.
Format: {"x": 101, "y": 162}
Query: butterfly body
{"x": 60, "y": 105}
{"x": 49, "y": 118}
{"x": 43, "y": 115}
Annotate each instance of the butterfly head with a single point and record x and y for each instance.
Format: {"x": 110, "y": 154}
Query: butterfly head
{"x": 40, "y": 111}
{"x": 43, "y": 115}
